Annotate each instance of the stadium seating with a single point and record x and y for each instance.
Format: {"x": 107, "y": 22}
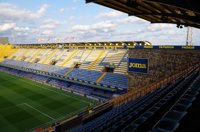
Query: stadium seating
{"x": 86, "y": 75}
{"x": 171, "y": 120}
{"x": 160, "y": 61}
{"x": 6, "y": 51}
{"x": 110, "y": 79}
{"x": 57, "y": 55}
{"x": 93, "y": 57}
{"x": 118, "y": 80}
{"x": 37, "y": 66}
{"x": 32, "y": 57}
{"x": 57, "y": 70}
{"x": 168, "y": 104}
{"x": 80, "y": 71}
{"x": 90, "y": 59}
{"x": 83, "y": 90}
{"x": 58, "y": 82}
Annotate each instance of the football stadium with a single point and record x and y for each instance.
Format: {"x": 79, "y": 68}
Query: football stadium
{"x": 115, "y": 86}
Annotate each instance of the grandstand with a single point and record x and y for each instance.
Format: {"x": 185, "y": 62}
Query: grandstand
{"x": 91, "y": 69}
{"x": 101, "y": 74}
{"x": 105, "y": 86}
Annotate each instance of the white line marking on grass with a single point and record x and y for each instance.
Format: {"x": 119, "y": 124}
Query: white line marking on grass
{"x": 49, "y": 123}
{"x": 20, "y": 104}
{"x": 39, "y": 111}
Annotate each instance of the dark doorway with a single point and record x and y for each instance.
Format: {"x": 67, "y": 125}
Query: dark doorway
{"x": 108, "y": 69}
{"x": 23, "y": 58}
{"x": 37, "y": 60}
{"x": 53, "y": 62}
{"x": 5, "y": 57}
{"x": 77, "y": 65}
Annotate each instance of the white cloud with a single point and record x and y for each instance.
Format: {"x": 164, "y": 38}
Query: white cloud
{"x": 25, "y": 32}
{"x": 108, "y": 29}
{"x": 61, "y": 10}
{"x": 81, "y": 27}
{"x": 125, "y": 33}
{"x": 40, "y": 12}
{"x": 4, "y": 4}
{"x": 22, "y": 34}
{"x": 7, "y": 26}
{"x": 10, "y": 12}
{"x": 104, "y": 26}
{"x": 171, "y": 32}
{"x": 22, "y": 29}
{"x": 20, "y": 24}
{"x": 131, "y": 20}
{"x": 76, "y": 0}
{"x": 71, "y": 18}
{"x": 47, "y": 32}
{"x": 110, "y": 14}
{"x": 158, "y": 27}
{"x": 97, "y": 31}
{"x": 50, "y": 24}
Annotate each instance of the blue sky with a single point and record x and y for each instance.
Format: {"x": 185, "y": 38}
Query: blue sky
{"x": 40, "y": 21}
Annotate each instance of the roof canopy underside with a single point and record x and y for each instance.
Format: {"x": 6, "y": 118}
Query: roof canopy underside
{"x": 181, "y": 12}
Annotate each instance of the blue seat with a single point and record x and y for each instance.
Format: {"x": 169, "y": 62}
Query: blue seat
{"x": 147, "y": 114}
{"x": 165, "y": 125}
{"x": 154, "y": 109}
{"x": 159, "y": 105}
{"x": 181, "y": 108}
{"x": 185, "y": 101}
{"x": 193, "y": 92}
{"x": 86, "y": 75}
{"x": 175, "y": 115}
{"x": 141, "y": 110}
{"x": 113, "y": 79}
{"x": 140, "y": 120}
{"x": 137, "y": 123}
{"x": 189, "y": 97}
{"x": 129, "y": 128}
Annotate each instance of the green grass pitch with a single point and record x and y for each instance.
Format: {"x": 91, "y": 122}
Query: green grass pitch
{"x": 25, "y": 105}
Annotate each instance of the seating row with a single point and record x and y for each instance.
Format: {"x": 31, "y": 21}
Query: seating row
{"x": 172, "y": 119}
{"x": 111, "y": 79}
{"x": 143, "y": 113}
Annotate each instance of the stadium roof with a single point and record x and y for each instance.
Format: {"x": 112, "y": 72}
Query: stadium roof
{"x": 119, "y": 43}
{"x": 180, "y": 12}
